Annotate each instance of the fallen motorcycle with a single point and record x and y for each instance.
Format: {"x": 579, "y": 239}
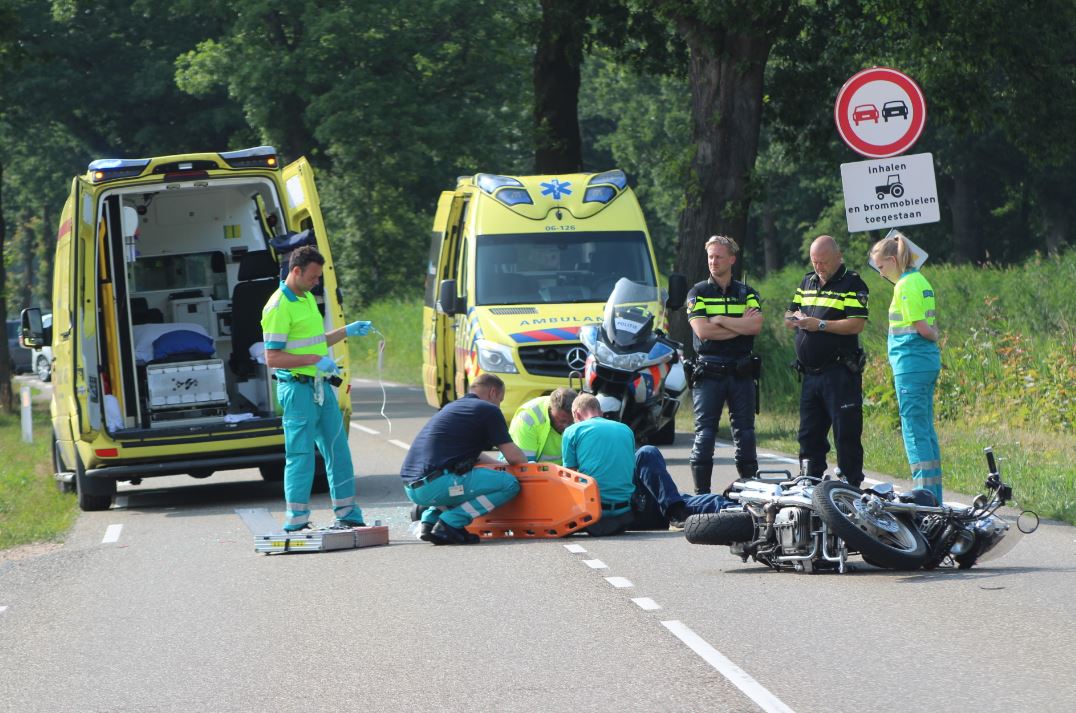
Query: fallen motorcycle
{"x": 809, "y": 524}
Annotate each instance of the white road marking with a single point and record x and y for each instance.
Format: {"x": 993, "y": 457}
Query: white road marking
{"x": 400, "y": 444}
{"x": 646, "y": 603}
{"x": 121, "y": 501}
{"x": 3, "y": 609}
{"x": 871, "y": 481}
{"x": 619, "y": 582}
{"x": 112, "y": 534}
{"x": 773, "y": 456}
{"x": 736, "y": 675}
{"x": 595, "y": 564}
{"x": 575, "y": 549}
{"x": 364, "y": 429}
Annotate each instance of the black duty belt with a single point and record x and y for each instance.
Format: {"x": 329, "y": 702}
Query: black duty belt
{"x": 615, "y": 506}
{"x": 300, "y": 378}
{"x": 429, "y": 477}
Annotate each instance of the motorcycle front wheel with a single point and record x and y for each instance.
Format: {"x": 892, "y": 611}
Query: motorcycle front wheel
{"x": 883, "y": 539}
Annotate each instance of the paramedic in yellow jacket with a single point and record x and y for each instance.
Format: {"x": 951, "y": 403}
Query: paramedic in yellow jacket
{"x": 297, "y": 347}
{"x": 538, "y": 424}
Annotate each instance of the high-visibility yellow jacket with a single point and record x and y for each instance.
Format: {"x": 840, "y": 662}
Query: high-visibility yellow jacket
{"x": 532, "y": 430}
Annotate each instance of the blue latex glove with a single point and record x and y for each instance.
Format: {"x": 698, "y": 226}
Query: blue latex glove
{"x": 359, "y": 328}
{"x": 326, "y": 365}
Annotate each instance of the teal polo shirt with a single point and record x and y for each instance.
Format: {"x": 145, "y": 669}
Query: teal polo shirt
{"x": 604, "y": 450}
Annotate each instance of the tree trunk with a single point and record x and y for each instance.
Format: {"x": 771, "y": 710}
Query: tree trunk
{"x": 7, "y": 397}
{"x": 558, "y": 143}
{"x": 46, "y": 260}
{"x": 770, "y": 249}
{"x": 966, "y": 243}
{"x": 1056, "y": 216}
{"x": 26, "y": 236}
{"x": 726, "y": 73}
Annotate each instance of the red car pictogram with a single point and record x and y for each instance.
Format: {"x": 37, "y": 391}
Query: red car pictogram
{"x": 865, "y": 112}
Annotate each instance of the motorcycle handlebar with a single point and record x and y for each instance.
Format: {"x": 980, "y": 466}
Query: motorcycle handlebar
{"x": 990, "y": 462}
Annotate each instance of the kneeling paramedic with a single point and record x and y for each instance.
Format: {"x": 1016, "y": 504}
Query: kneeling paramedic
{"x": 538, "y": 424}
{"x": 635, "y": 487}
{"x": 443, "y": 470}
{"x": 297, "y": 347}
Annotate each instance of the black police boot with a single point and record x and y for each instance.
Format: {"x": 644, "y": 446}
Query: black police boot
{"x": 702, "y": 475}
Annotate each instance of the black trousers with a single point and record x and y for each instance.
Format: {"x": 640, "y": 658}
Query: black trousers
{"x": 832, "y": 398}
{"x": 709, "y": 396}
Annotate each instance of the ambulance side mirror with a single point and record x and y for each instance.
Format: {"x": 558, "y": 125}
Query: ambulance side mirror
{"x": 33, "y": 331}
{"x": 446, "y": 298}
{"x": 677, "y": 291}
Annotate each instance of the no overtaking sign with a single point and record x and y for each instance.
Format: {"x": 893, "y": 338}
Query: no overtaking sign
{"x": 880, "y": 112}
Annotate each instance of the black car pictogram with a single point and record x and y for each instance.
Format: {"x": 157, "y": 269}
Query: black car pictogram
{"x": 894, "y": 108}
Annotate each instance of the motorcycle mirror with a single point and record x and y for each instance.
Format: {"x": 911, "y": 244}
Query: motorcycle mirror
{"x": 1028, "y": 522}
{"x": 677, "y": 291}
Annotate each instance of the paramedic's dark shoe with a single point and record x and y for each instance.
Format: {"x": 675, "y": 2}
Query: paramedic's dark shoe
{"x": 443, "y": 534}
{"x": 425, "y": 531}
{"x": 348, "y": 522}
{"x": 299, "y": 528}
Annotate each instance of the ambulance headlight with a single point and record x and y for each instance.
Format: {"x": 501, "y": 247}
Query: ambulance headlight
{"x": 495, "y": 357}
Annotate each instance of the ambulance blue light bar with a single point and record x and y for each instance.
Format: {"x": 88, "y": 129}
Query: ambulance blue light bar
{"x": 604, "y": 187}
{"x": 110, "y": 169}
{"x": 506, "y": 189}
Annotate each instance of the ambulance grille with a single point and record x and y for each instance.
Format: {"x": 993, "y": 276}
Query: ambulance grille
{"x": 551, "y": 360}
{"x": 513, "y": 310}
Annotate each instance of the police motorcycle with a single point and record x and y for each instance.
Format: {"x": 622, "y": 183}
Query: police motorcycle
{"x": 634, "y": 369}
{"x": 809, "y": 524}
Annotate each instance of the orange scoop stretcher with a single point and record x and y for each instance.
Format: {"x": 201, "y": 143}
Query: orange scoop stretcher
{"x": 552, "y": 502}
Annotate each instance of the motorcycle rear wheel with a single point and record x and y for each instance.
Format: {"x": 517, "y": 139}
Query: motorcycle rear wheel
{"x": 719, "y": 528}
{"x": 883, "y": 539}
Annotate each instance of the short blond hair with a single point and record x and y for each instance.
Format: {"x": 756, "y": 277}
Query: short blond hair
{"x": 586, "y": 403}
{"x": 722, "y": 240}
{"x": 894, "y": 246}
{"x": 562, "y": 399}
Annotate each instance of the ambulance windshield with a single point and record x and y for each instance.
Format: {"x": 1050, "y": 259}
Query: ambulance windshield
{"x": 535, "y": 268}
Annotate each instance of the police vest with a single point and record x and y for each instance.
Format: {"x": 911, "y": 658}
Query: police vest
{"x": 707, "y": 299}
{"x": 843, "y": 297}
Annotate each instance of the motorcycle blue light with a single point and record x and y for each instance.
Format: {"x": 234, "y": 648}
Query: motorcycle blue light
{"x": 588, "y": 335}
{"x": 659, "y": 350}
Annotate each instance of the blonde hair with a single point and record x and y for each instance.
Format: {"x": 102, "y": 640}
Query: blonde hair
{"x": 893, "y": 247}
{"x": 586, "y": 403}
{"x": 723, "y": 240}
{"x": 562, "y": 399}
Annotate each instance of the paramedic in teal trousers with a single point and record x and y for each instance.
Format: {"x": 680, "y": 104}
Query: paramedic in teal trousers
{"x": 443, "y": 474}
{"x": 914, "y": 356}
{"x": 297, "y": 347}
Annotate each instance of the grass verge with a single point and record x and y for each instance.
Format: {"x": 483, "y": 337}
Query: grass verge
{"x": 32, "y": 509}
{"x": 400, "y": 323}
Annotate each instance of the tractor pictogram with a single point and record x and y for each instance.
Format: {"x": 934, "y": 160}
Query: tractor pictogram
{"x": 893, "y": 187}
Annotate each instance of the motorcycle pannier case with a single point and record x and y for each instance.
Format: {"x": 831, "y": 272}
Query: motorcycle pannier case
{"x": 552, "y": 502}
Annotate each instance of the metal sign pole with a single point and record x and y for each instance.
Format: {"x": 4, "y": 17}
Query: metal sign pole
{"x": 27, "y": 416}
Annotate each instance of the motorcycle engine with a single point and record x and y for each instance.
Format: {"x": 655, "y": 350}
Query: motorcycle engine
{"x": 793, "y": 529}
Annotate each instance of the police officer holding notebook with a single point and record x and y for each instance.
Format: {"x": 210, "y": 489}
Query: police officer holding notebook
{"x": 828, "y": 312}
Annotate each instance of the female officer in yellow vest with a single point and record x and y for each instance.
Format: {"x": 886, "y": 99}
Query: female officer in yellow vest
{"x": 913, "y": 354}
{"x": 297, "y": 346}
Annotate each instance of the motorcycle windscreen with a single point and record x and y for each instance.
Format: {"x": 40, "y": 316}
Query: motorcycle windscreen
{"x": 628, "y": 319}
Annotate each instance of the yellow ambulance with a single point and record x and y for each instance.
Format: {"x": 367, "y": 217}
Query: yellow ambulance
{"x": 517, "y": 265}
{"x": 163, "y": 266}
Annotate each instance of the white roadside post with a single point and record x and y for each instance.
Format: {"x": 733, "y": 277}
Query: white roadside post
{"x": 27, "y": 416}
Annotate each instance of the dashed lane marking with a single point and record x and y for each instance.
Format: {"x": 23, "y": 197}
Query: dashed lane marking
{"x": 646, "y": 603}
{"x": 619, "y": 582}
{"x": 3, "y": 609}
{"x": 575, "y": 549}
{"x": 595, "y": 564}
{"x": 364, "y": 429}
{"x": 112, "y": 534}
{"x": 736, "y": 675}
{"x": 400, "y": 444}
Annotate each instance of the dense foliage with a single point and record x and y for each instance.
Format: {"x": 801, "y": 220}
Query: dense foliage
{"x": 392, "y": 99}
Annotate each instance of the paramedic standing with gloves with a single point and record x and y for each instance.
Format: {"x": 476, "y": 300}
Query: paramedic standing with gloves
{"x": 297, "y": 347}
